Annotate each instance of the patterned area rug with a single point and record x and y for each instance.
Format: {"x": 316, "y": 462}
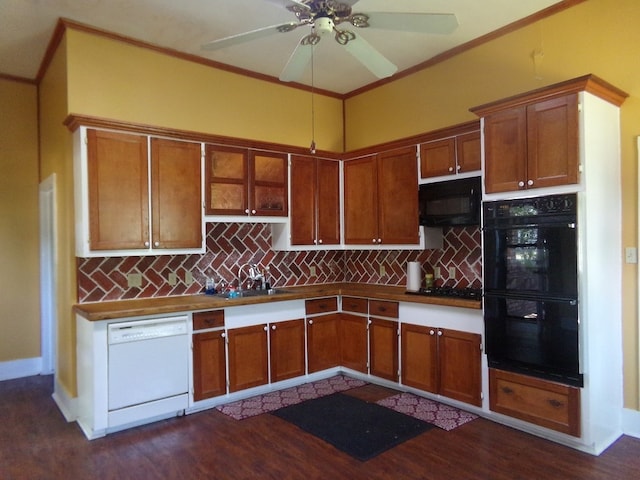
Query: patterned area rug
{"x": 274, "y": 400}
{"x": 440, "y": 415}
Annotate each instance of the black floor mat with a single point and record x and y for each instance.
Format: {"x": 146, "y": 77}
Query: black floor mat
{"x": 360, "y": 429}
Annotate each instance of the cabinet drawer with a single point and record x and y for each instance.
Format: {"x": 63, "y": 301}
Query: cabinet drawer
{"x": 545, "y": 403}
{"x": 380, "y": 308}
{"x": 321, "y": 305}
{"x": 212, "y": 319}
{"x": 353, "y": 304}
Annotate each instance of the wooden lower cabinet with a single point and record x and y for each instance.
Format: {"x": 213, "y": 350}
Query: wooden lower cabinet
{"x": 442, "y": 361}
{"x": 209, "y": 365}
{"x": 248, "y": 357}
{"x": 323, "y": 345}
{"x": 286, "y": 340}
{"x": 383, "y": 346}
{"x": 542, "y": 402}
{"x": 354, "y": 342}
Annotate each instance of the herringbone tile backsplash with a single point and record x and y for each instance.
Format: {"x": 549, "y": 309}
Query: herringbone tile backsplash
{"x": 230, "y": 245}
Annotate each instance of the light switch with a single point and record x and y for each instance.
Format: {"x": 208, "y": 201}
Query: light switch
{"x": 173, "y": 279}
{"x": 631, "y": 255}
{"x": 312, "y": 270}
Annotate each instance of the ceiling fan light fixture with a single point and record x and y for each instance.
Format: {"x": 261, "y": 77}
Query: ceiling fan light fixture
{"x": 323, "y": 25}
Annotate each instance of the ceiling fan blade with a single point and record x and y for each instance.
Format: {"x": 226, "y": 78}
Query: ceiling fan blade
{"x": 441, "y": 23}
{"x": 248, "y": 36}
{"x": 298, "y": 61}
{"x": 377, "y": 63}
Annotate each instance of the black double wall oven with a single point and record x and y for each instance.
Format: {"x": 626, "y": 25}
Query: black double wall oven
{"x": 531, "y": 287}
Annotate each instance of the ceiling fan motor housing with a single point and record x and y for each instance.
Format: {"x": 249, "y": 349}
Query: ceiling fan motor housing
{"x": 323, "y": 25}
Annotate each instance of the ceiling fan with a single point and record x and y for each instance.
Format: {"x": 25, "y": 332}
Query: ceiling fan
{"x": 327, "y": 17}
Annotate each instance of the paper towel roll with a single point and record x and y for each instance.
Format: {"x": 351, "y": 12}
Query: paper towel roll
{"x": 414, "y": 275}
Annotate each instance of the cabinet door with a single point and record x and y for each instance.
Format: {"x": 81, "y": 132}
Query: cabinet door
{"x": 226, "y": 180}
{"x": 460, "y": 356}
{"x": 468, "y": 152}
{"x": 438, "y": 158}
{"x": 248, "y": 357}
{"x": 303, "y": 201}
{"x": 398, "y": 197}
{"x": 383, "y": 347}
{"x": 552, "y": 148}
{"x": 419, "y": 353}
{"x": 361, "y": 201}
{"x": 175, "y": 194}
{"x": 323, "y": 342}
{"x": 505, "y": 140}
{"x": 354, "y": 342}
{"x": 328, "y": 202}
{"x": 209, "y": 366}
{"x": 268, "y": 186}
{"x": 118, "y": 176}
{"x": 287, "y": 349}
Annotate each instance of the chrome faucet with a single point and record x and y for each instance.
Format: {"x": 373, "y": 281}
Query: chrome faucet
{"x": 254, "y": 274}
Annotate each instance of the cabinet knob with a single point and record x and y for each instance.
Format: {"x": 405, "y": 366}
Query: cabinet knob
{"x": 431, "y": 332}
{"x": 439, "y": 333}
{"x": 320, "y": 242}
{"x": 253, "y": 212}
{"x": 146, "y": 244}
{"x": 458, "y": 168}
{"x": 529, "y": 182}
{"x": 379, "y": 240}
{"x": 265, "y": 328}
{"x": 521, "y": 184}
{"x": 273, "y": 327}
{"x": 374, "y": 240}
{"x": 310, "y": 322}
{"x": 315, "y": 242}
{"x": 246, "y": 211}
{"x": 156, "y": 244}
{"x": 223, "y": 335}
{"x": 451, "y": 169}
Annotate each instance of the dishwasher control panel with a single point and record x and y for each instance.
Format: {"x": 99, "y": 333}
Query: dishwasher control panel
{"x": 147, "y": 329}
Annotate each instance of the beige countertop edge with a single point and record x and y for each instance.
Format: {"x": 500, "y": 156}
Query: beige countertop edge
{"x": 115, "y": 309}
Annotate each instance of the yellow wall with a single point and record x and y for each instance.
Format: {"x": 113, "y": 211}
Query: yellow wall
{"x": 19, "y": 254}
{"x": 593, "y": 37}
{"x": 56, "y": 154}
{"x": 116, "y": 80}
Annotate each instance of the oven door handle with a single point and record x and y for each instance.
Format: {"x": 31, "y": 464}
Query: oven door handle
{"x": 531, "y": 297}
{"x": 570, "y": 225}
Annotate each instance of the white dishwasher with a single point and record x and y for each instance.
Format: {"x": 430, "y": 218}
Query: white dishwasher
{"x": 148, "y": 369}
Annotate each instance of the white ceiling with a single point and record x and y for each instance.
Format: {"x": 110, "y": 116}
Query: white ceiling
{"x": 26, "y": 26}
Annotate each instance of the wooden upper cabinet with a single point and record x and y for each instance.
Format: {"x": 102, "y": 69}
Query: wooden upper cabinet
{"x": 315, "y": 201}
{"x": 226, "y": 180}
{"x": 381, "y": 199}
{"x": 361, "y": 201}
{"x": 450, "y": 151}
{"x": 245, "y": 182}
{"x": 118, "y": 191}
{"x": 398, "y": 197}
{"x": 175, "y": 194}
{"x": 532, "y": 146}
{"x": 268, "y": 194}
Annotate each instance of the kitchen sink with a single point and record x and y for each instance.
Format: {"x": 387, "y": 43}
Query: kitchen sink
{"x": 252, "y": 293}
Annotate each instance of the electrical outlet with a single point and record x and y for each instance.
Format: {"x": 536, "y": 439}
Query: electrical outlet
{"x": 436, "y": 273}
{"x": 134, "y": 280}
{"x": 312, "y": 270}
{"x": 173, "y": 279}
{"x": 383, "y": 270}
{"x": 188, "y": 278}
{"x": 452, "y": 272}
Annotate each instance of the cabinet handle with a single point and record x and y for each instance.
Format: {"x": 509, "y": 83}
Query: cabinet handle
{"x": 310, "y": 322}
{"x": 431, "y": 332}
{"x": 529, "y": 182}
{"x": 555, "y": 403}
{"x": 507, "y": 390}
{"x": 521, "y": 184}
{"x": 322, "y": 306}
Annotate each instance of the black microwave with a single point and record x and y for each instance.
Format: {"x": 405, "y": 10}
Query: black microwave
{"x": 450, "y": 203}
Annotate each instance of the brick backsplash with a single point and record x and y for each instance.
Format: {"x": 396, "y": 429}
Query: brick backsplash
{"x": 230, "y": 245}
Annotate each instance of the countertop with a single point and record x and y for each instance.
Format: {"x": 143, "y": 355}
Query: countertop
{"x": 160, "y": 305}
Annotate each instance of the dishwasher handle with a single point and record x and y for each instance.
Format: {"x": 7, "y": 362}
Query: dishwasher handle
{"x": 140, "y": 330}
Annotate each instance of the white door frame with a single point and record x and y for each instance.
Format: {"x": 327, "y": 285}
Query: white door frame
{"x": 48, "y": 269}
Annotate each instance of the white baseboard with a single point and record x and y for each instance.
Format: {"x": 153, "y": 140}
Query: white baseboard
{"x": 631, "y": 422}
{"x": 68, "y": 405}
{"x": 25, "y": 367}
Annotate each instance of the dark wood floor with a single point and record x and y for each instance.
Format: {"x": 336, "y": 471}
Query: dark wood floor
{"x": 37, "y": 443}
